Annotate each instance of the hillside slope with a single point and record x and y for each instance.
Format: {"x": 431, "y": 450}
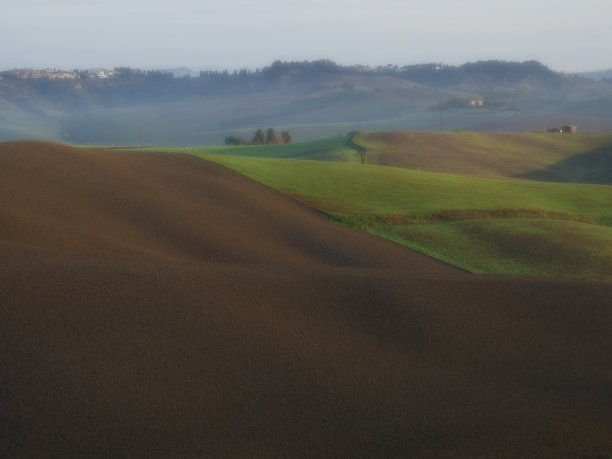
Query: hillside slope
{"x": 166, "y": 208}
{"x": 158, "y": 305}
{"x": 495, "y": 225}
{"x": 585, "y": 158}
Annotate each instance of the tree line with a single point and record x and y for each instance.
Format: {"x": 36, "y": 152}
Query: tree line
{"x": 133, "y": 86}
{"x": 259, "y": 138}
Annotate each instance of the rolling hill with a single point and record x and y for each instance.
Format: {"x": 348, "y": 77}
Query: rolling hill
{"x": 161, "y": 305}
{"x": 556, "y": 158}
{"x": 459, "y": 197}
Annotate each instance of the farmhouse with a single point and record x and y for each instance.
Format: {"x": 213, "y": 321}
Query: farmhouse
{"x": 64, "y": 76}
{"x": 102, "y": 73}
{"x": 569, "y": 129}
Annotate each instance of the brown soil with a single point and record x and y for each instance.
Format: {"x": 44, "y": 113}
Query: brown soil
{"x": 157, "y": 305}
{"x": 481, "y": 156}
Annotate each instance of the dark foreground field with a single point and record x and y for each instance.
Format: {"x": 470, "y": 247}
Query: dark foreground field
{"x": 158, "y": 305}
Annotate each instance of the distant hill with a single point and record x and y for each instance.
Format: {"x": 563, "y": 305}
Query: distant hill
{"x": 312, "y": 99}
{"x": 598, "y": 74}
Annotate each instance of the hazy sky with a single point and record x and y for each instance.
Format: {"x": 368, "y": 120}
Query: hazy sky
{"x": 217, "y": 34}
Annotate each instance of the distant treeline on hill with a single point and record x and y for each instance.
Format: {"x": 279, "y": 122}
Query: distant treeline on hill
{"x": 313, "y": 71}
{"x": 127, "y": 86}
{"x": 259, "y": 138}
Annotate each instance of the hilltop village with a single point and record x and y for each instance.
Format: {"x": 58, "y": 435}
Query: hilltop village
{"x": 53, "y": 74}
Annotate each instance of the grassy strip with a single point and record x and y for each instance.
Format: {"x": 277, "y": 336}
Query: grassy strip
{"x": 361, "y": 151}
{"x": 517, "y": 246}
{"x": 364, "y": 221}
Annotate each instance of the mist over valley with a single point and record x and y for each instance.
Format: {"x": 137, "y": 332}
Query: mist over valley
{"x": 311, "y": 99}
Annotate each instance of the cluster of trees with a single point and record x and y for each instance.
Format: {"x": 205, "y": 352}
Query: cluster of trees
{"x": 492, "y": 71}
{"x": 269, "y": 138}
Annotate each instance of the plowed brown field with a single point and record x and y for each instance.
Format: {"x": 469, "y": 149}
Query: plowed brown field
{"x": 158, "y": 305}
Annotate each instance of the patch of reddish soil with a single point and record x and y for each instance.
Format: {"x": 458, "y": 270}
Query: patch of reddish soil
{"x": 157, "y": 305}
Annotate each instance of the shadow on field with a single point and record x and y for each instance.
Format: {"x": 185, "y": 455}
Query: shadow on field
{"x": 156, "y": 305}
{"x": 594, "y": 167}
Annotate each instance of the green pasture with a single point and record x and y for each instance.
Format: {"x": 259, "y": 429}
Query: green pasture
{"x": 484, "y": 225}
{"x": 518, "y": 246}
{"x": 356, "y": 189}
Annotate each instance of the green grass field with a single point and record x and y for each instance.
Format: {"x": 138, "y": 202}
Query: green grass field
{"x": 357, "y": 189}
{"x": 485, "y": 224}
{"x": 330, "y": 149}
{"x": 522, "y": 246}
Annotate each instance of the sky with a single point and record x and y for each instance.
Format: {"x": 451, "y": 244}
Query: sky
{"x": 568, "y": 36}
